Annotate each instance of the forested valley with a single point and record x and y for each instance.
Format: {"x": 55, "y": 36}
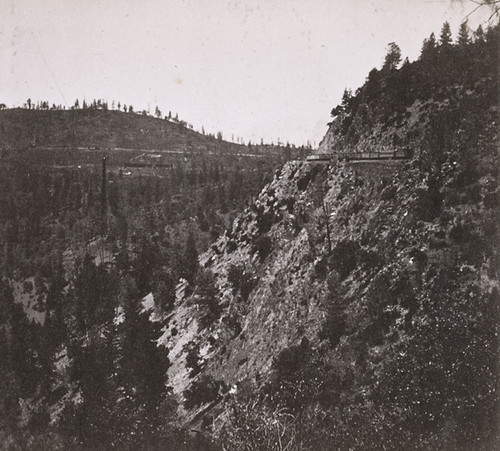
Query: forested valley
{"x": 86, "y": 232}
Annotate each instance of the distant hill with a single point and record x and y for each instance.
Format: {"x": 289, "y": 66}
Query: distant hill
{"x": 68, "y": 138}
{"x": 107, "y": 129}
{"x": 23, "y": 128}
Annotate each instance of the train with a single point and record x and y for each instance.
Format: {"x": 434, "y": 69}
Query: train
{"x": 148, "y": 165}
{"x": 399, "y": 154}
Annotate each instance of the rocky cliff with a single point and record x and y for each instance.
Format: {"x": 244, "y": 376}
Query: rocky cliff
{"x": 355, "y": 304}
{"x": 384, "y": 272}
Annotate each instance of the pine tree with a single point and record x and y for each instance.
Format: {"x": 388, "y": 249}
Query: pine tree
{"x": 94, "y": 295}
{"x": 479, "y": 35}
{"x": 463, "y": 39}
{"x": 206, "y": 296}
{"x": 10, "y": 388}
{"x": 92, "y": 371}
{"x": 429, "y": 47}
{"x": 392, "y": 58}
{"x": 54, "y": 304}
{"x": 190, "y": 258}
{"x": 346, "y": 99}
{"x": 164, "y": 289}
{"x": 142, "y": 367}
{"x": 445, "y": 37}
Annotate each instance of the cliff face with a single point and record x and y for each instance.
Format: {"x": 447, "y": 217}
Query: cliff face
{"x": 266, "y": 283}
{"x": 280, "y": 246}
{"x": 384, "y": 274}
{"x": 361, "y": 297}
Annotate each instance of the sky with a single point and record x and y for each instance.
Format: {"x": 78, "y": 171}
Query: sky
{"x": 270, "y": 69}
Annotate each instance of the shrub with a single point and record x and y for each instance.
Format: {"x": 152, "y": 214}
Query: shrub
{"x": 491, "y": 200}
{"x": 466, "y": 177}
{"x": 294, "y": 381}
{"x": 304, "y": 180}
{"x": 265, "y": 220}
{"x": 263, "y": 246}
{"x": 193, "y": 359}
{"x": 233, "y": 324}
{"x": 371, "y": 259}
{"x": 334, "y": 326}
{"x": 27, "y": 286}
{"x": 429, "y": 203}
{"x": 389, "y": 192}
{"x": 206, "y": 297}
{"x": 290, "y": 360}
{"x": 241, "y": 279}
{"x": 289, "y": 203}
{"x": 343, "y": 259}
{"x": 472, "y": 194}
{"x": 321, "y": 268}
{"x": 460, "y": 233}
{"x": 231, "y": 246}
{"x": 203, "y": 391}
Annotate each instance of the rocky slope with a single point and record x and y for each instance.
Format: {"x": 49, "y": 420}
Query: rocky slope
{"x": 405, "y": 257}
{"x": 361, "y": 298}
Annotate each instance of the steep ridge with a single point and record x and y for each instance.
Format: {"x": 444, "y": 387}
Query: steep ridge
{"x": 406, "y": 269}
{"x": 355, "y": 306}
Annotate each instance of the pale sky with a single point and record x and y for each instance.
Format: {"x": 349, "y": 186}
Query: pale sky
{"x": 252, "y": 68}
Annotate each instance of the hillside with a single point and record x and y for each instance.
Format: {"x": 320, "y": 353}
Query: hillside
{"x": 418, "y": 103}
{"x": 356, "y": 305}
{"x": 22, "y": 128}
{"x": 68, "y": 138}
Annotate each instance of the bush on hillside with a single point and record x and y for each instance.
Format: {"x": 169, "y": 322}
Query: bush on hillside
{"x": 203, "y": 391}
{"x": 429, "y": 202}
{"x": 334, "y": 325}
{"x": 263, "y": 246}
{"x": 241, "y": 279}
{"x": 206, "y": 296}
{"x": 344, "y": 257}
